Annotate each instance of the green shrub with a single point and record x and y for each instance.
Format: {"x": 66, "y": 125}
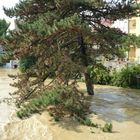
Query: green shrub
{"x": 86, "y": 121}
{"x": 107, "y": 127}
{"x": 126, "y": 77}
{"x": 100, "y": 75}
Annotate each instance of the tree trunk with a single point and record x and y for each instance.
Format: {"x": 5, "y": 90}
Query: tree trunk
{"x": 89, "y": 84}
{"x": 84, "y": 58}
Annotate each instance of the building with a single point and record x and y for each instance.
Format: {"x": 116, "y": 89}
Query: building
{"x": 11, "y": 63}
{"x": 134, "y": 28}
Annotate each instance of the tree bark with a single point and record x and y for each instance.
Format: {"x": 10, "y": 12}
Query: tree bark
{"x": 84, "y": 58}
{"x": 89, "y": 84}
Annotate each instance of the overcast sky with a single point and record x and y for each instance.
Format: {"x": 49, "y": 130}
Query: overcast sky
{"x": 8, "y": 4}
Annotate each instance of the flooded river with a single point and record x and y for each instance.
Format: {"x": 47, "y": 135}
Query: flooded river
{"x": 110, "y": 103}
{"x": 5, "y": 109}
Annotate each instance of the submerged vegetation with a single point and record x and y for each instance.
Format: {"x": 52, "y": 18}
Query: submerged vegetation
{"x": 74, "y": 106}
{"x": 59, "y": 101}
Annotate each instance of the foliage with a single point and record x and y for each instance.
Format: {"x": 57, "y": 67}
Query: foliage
{"x": 3, "y": 30}
{"x": 59, "y": 101}
{"x": 3, "y": 27}
{"x": 131, "y": 40}
{"x": 73, "y": 105}
{"x": 127, "y": 77}
{"x": 1, "y": 62}
{"x": 107, "y": 127}
{"x": 100, "y": 74}
{"x": 26, "y": 63}
{"x": 86, "y": 121}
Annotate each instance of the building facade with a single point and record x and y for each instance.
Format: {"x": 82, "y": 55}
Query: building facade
{"x": 134, "y": 28}
{"x": 11, "y": 63}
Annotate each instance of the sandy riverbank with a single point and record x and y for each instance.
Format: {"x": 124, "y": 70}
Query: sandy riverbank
{"x": 42, "y": 127}
{"x": 74, "y": 131}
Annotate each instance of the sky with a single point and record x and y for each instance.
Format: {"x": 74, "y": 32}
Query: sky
{"x": 8, "y": 4}
{"x": 122, "y": 24}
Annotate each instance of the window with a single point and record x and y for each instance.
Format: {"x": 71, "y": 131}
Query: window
{"x": 132, "y": 24}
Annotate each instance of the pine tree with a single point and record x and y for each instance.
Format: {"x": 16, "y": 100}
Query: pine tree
{"x": 3, "y": 30}
{"x": 3, "y": 27}
{"x": 65, "y": 38}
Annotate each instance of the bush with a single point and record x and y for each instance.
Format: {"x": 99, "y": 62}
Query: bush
{"x": 127, "y": 77}
{"x": 100, "y": 75}
{"x": 87, "y": 122}
{"x": 107, "y": 127}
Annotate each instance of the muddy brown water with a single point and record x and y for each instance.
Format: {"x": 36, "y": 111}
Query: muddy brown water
{"x": 119, "y": 104}
{"x": 110, "y": 103}
{"x": 5, "y": 109}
